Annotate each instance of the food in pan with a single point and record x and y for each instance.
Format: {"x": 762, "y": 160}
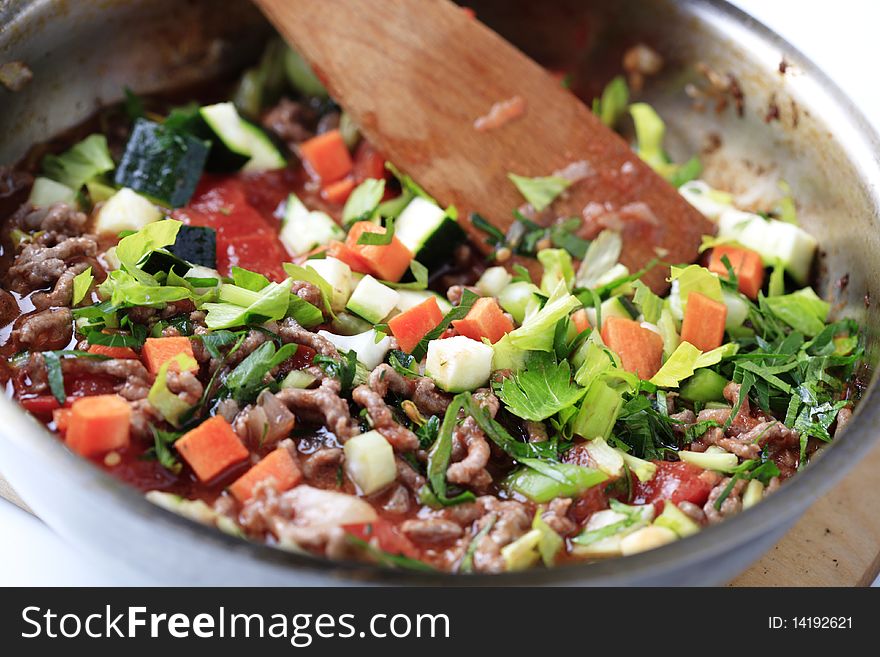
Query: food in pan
{"x": 239, "y": 307}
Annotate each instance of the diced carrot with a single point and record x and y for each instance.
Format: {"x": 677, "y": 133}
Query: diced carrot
{"x": 640, "y": 349}
{"x": 352, "y": 258}
{"x": 158, "y": 350}
{"x": 326, "y": 156}
{"x": 338, "y": 192}
{"x": 580, "y": 320}
{"x": 61, "y": 418}
{"x": 98, "y": 424}
{"x": 279, "y": 465}
{"x": 211, "y": 448}
{"x": 411, "y": 326}
{"x": 746, "y": 264}
{"x": 112, "y": 352}
{"x": 703, "y": 324}
{"x": 387, "y": 261}
{"x": 485, "y": 319}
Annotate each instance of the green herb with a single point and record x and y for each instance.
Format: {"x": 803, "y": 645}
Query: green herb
{"x": 217, "y": 339}
{"x": 563, "y": 236}
{"x": 378, "y": 238}
{"x": 493, "y": 235}
{"x": 467, "y": 561}
{"x": 387, "y": 559}
{"x": 161, "y": 450}
{"x": 132, "y": 248}
{"x": 440, "y": 455}
{"x": 134, "y": 105}
{"x": 428, "y": 432}
{"x": 248, "y": 378}
{"x": 55, "y": 375}
{"x": 803, "y": 310}
{"x": 420, "y": 275}
{"x": 458, "y": 312}
{"x": 540, "y": 192}
{"x": 115, "y": 339}
{"x": 540, "y": 390}
{"x": 344, "y": 370}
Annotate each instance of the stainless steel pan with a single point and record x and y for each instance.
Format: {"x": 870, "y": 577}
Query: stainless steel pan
{"x": 82, "y": 54}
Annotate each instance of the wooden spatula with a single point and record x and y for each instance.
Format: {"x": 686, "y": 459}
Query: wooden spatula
{"x": 415, "y": 75}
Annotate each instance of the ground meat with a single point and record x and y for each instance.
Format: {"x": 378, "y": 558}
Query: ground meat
{"x": 62, "y": 293}
{"x": 682, "y": 420}
{"x": 471, "y": 469}
{"x": 322, "y": 405}
{"x": 265, "y": 422}
{"x": 38, "y": 266}
{"x": 227, "y": 408}
{"x": 639, "y": 62}
{"x": 45, "y": 330}
{"x": 556, "y": 516}
{"x": 58, "y": 218}
{"x": 410, "y": 478}
{"x": 143, "y": 416}
{"x": 537, "y": 431}
{"x": 185, "y": 385}
{"x": 321, "y": 466}
{"x": 9, "y": 309}
{"x": 420, "y": 389}
{"x": 730, "y": 506}
{"x": 512, "y": 520}
{"x": 307, "y": 292}
{"x": 290, "y": 121}
{"x": 398, "y": 502}
{"x": 844, "y": 415}
{"x": 431, "y": 530}
{"x": 290, "y": 331}
{"x": 134, "y": 380}
{"x": 382, "y": 419}
{"x": 693, "y": 511}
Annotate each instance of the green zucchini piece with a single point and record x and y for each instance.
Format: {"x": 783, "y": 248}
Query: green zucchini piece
{"x": 162, "y": 164}
{"x": 196, "y": 245}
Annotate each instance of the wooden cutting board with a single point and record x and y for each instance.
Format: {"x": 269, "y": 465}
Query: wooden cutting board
{"x": 836, "y": 543}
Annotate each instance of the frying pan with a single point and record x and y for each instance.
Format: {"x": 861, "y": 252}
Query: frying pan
{"x": 787, "y": 122}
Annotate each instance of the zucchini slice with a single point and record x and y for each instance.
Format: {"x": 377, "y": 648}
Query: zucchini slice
{"x": 162, "y": 164}
{"x": 428, "y": 231}
{"x": 236, "y": 143}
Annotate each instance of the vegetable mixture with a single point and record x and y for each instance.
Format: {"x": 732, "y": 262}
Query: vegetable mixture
{"x": 239, "y": 307}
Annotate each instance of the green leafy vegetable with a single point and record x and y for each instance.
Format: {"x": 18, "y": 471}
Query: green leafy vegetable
{"x": 536, "y": 332}
{"x": 649, "y": 303}
{"x": 803, "y": 310}
{"x": 248, "y": 378}
{"x": 82, "y": 282}
{"x": 82, "y": 163}
{"x": 540, "y": 192}
{"x": 602, "y": 255}
{"x": 247, "y": 307}
{"x": 132, "y": 248}
{"x": 557, "y": 268}
{"x": 440, "y": 455}
{"x": 611, "y": 106}
{"x": 161, "y": 450}
{"x": 249, "y": 280}
{"x": 563, "y": 236}
{"x": 540, "y": 390}
{"x": 378, "y": 238}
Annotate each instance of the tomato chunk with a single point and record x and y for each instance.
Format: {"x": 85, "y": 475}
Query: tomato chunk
{"x": 390, "y": 539}
{"x": 673, "y": 481}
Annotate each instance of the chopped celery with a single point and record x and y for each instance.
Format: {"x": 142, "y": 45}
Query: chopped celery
{"x": 522, "y": 553}
{"x": 720, "y": 461}
{"x": 642, "y": 469}
{"x": 297, "y": 379}
{"x": 675, "y": 519}
{"x": 753, "y": 494}
{"x": 646, "y": 538}
{"x": 602, "y": 254}
{"x": 704, "y": 386}
{"x": 557, "y": 480}
{"x": 607, "y": 459}
{"x": 599, "y": 410}
{"x": 515, "y": 298}
{"x": 679, "y": 366}
{"x": 557, "y": 268}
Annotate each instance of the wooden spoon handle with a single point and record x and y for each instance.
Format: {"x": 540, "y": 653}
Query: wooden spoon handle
{"x": 416, "y": 74}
